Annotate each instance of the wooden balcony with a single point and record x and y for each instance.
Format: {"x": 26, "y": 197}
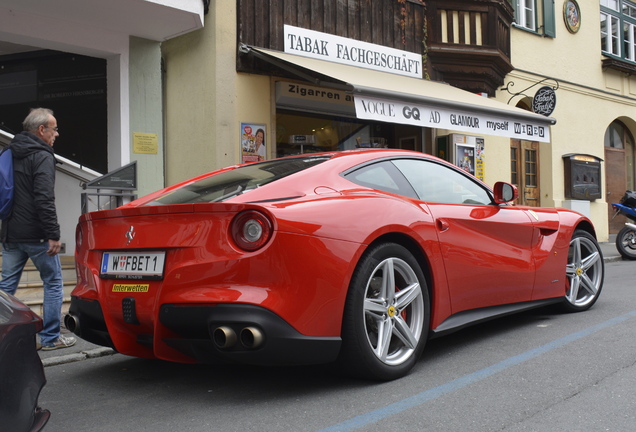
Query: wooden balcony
{"x": 468, "y": 43}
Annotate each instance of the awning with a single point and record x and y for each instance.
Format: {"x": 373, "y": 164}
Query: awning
{"x": 393, "y": 98}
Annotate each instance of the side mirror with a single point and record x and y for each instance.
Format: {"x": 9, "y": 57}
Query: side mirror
{"x": 505, "y": 192}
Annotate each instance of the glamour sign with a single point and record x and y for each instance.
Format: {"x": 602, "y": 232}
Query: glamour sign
{"x": 446, "y": 118}
{"x": 337, "y": 49}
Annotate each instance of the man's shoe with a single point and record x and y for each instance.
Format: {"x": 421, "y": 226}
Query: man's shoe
{"x": 61, "y": 342}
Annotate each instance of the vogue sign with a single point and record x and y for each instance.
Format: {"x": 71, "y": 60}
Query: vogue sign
{"x": 393, "y": 111}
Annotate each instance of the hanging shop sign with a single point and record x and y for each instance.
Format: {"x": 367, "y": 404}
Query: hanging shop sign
{"x": 544, "y": 101}
{"x": 324, "y": 46}
{"x": 440, "y": 117}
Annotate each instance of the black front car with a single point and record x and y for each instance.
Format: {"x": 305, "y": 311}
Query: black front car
{"x": 21, "y": 371}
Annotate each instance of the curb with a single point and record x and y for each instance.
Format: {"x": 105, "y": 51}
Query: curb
{"x": 75, "y": 357}
{"x": 613, "y": 259}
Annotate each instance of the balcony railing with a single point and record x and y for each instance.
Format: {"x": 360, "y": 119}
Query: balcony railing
{"x": 469, "y": 42}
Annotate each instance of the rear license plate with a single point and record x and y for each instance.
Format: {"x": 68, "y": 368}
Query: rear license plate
{"x": 132, "y": 265}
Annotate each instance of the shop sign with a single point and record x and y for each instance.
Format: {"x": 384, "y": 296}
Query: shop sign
{"x": 337, "y": 49}
{"x": 295, "y": 95}
{"x": 392, "y": 111}
{"x": 544, "y": 101}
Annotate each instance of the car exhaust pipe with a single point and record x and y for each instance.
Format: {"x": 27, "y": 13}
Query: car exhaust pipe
{"x": 71, "y": 322}
{"x": 224, "y": 337}
{"x": 251, "y": 337}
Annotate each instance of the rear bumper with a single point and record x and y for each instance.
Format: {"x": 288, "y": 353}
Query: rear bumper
{"x": 93, "y": 327}
{"x": 190, "y": 330}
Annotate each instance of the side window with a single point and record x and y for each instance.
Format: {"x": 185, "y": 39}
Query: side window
{"x": 438, "y": 183}
{"x": 382, "y": 176}
{"x": 526, "y": 13}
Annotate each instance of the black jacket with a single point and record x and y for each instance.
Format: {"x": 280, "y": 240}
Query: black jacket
{"x": 33, "y": 218}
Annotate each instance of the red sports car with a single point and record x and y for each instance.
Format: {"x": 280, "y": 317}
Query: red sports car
{"x": 356, "y": 257}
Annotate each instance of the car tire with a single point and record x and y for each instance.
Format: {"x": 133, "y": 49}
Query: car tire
{"x": 584, "y": 271}
{"x": 387, "y": 314}
{"x": 626, "y": 243}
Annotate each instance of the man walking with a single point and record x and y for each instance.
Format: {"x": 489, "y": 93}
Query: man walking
{"x": 32, "y": 230}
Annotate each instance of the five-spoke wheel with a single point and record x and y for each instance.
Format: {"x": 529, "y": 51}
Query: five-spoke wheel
{"x": 584, "y": 272}
{"x": 387, "y": 314}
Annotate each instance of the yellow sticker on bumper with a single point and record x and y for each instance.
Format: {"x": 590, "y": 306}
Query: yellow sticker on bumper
{"x": 131, "y": 288}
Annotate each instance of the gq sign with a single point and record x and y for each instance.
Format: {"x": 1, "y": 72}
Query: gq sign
{"x": 447, "y": 118}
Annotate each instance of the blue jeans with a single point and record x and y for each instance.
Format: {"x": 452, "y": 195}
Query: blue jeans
{"x": 14, "y": 258}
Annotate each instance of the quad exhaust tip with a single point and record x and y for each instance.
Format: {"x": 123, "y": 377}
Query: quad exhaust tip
{"x": 225, "y": 337}
{"x": 251, "y": 337}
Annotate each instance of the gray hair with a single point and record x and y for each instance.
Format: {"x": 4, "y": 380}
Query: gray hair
{"x": 36, "y": 118}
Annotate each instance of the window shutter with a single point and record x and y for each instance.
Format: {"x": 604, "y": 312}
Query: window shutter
{"x": 549, "y": 18}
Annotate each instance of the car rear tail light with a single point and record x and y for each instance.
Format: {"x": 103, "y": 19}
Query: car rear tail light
{"x": 251, "y": 230}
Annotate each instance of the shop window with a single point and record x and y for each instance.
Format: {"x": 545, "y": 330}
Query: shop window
{"x": 303, "y": 132}
{"x": 618, "y": 29}
{"x": 536, "y": 16}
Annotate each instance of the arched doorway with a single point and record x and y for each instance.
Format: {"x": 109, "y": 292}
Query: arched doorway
{"x": 619, "y": 169}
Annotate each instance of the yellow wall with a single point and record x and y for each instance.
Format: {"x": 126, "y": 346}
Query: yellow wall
{"x": 206, "y": 99}
{"x": 588, "y": 99}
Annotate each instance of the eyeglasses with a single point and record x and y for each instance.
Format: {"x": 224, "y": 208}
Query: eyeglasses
{"x": 53, "y": 128}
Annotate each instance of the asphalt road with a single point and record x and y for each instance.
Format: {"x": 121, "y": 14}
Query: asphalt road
{"x": 538, "y": 371}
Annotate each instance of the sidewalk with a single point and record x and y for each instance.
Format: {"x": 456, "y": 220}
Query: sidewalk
{"x": 83, "y": 350}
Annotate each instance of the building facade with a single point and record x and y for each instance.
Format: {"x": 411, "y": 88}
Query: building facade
{"x": 254, "y": 80}
{"x": 306, "y": 101}
{"x": 186, "y": 87}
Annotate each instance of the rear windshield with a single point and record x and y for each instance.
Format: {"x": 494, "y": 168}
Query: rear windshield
{"x": 230, "y": 184}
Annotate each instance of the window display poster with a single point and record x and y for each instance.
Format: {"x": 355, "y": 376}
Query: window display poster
{"x": 253, "y": 142}
{"x": 480, "y": 159}
{"x": 465, "y": 157}
{"x": 469, "y": 154}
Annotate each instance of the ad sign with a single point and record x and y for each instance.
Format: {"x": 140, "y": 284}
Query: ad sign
{"x": 447, "y": 118}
